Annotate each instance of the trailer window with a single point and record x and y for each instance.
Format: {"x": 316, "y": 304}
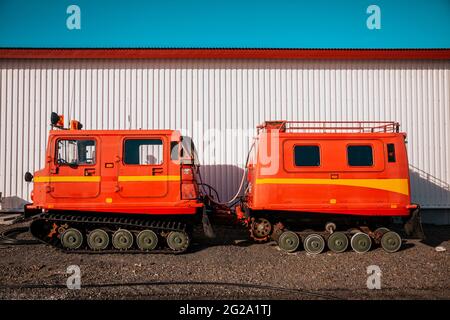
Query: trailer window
{"x": 360, "y": 156}
{"x": 307, "y": 156}
{"x": 143, "y": 151}
{"x": 75, "y": 152}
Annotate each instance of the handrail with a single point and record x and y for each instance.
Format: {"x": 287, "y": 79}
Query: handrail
{"x": 331, "y": 126}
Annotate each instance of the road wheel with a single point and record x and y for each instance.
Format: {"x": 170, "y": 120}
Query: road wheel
{"x": 288, "y": 241}
{"x": 147, "y": 240}
{"x": 122, "y": 239}
{"x": 98, "y": 239}
{"x": 72, "y": 239}
{"x": 314, "y": 243}
{"x": 177, "y": 240}
{"x": 361, "y": 242}
{"x": 391, "y": 241}
{"x": 337, "y": 242}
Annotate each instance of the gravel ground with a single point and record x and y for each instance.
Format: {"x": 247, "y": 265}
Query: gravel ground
{"x": 238, "y": 268}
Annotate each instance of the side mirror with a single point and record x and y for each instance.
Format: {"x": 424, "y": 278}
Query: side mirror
{"x": 28, "y": 177}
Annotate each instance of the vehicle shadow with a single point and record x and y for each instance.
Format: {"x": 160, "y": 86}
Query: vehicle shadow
{"x": 436, "y": 235}
{"x": 430, "y": 192}
{"x": 225, "y": 235}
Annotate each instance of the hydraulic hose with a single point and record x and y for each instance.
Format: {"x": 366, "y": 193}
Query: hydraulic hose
{"x": 244, "y": 174}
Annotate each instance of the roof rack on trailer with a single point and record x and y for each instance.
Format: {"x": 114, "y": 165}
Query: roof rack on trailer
{"x": 331, "y": 126}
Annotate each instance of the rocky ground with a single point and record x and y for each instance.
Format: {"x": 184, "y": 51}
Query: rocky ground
{"x": 230, "y": 267}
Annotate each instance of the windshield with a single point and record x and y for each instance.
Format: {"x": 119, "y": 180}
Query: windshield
{"x": 75, "y": 152}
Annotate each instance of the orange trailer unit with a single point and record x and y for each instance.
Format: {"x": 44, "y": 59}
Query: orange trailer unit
{"x": 344, "y": 174}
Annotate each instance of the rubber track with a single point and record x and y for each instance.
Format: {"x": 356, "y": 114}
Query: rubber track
{"x": 87, "y": 223}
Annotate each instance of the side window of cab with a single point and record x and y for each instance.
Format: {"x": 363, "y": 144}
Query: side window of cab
{"x": 143, "y": 152}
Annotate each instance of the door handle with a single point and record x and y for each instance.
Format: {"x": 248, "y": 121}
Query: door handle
{"x": 334, "y": 176}
{"x": 157, "y": 171}
{"x": 89, "y": 172}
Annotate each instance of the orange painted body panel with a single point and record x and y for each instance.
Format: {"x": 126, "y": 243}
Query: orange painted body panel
{"x": 110, "y": 185}
{"x": 333, "y": 186}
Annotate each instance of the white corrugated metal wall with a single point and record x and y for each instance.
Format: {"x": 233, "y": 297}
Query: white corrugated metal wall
{"x": 210, "y": 99}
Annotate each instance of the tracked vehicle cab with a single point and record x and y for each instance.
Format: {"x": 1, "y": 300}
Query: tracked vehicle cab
{"x": 148, "y": 175}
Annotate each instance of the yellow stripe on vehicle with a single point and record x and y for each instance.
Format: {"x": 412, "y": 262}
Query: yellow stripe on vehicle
{"x": 392, "y": 185}
{"x": 67, "y": 179}
{"x": 148, "y": 178}
{"x": 46, "y": 179}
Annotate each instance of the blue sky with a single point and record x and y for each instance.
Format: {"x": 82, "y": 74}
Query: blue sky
{"x": 225, "y": 24}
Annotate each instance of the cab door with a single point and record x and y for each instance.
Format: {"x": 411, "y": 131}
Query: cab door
{"x": 143, "y": 172}
{"x": 75, "y": 169}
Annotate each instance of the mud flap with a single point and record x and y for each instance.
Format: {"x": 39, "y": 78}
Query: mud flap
{"x": 413, "y": 227}
{"x": 207, "y": 228}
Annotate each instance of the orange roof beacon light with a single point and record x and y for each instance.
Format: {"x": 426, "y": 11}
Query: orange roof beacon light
{"x": 75, "y": 125}
{"x": 57, "y": 121}
{"x": 142, "y": 191}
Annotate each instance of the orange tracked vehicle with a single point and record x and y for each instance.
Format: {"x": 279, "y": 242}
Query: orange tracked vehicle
{"x": 107, "y": 190}
{"x": 141, "y": 190}
{"x": 345, "y": 179}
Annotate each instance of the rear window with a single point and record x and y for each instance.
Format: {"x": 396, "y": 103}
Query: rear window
{"x": 307, "y": 156}
{"x": 143, "y": 151}
{"x": 360, "y": 156}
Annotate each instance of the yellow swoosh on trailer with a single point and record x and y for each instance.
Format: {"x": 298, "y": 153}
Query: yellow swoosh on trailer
{"x": 393, "y": 185}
